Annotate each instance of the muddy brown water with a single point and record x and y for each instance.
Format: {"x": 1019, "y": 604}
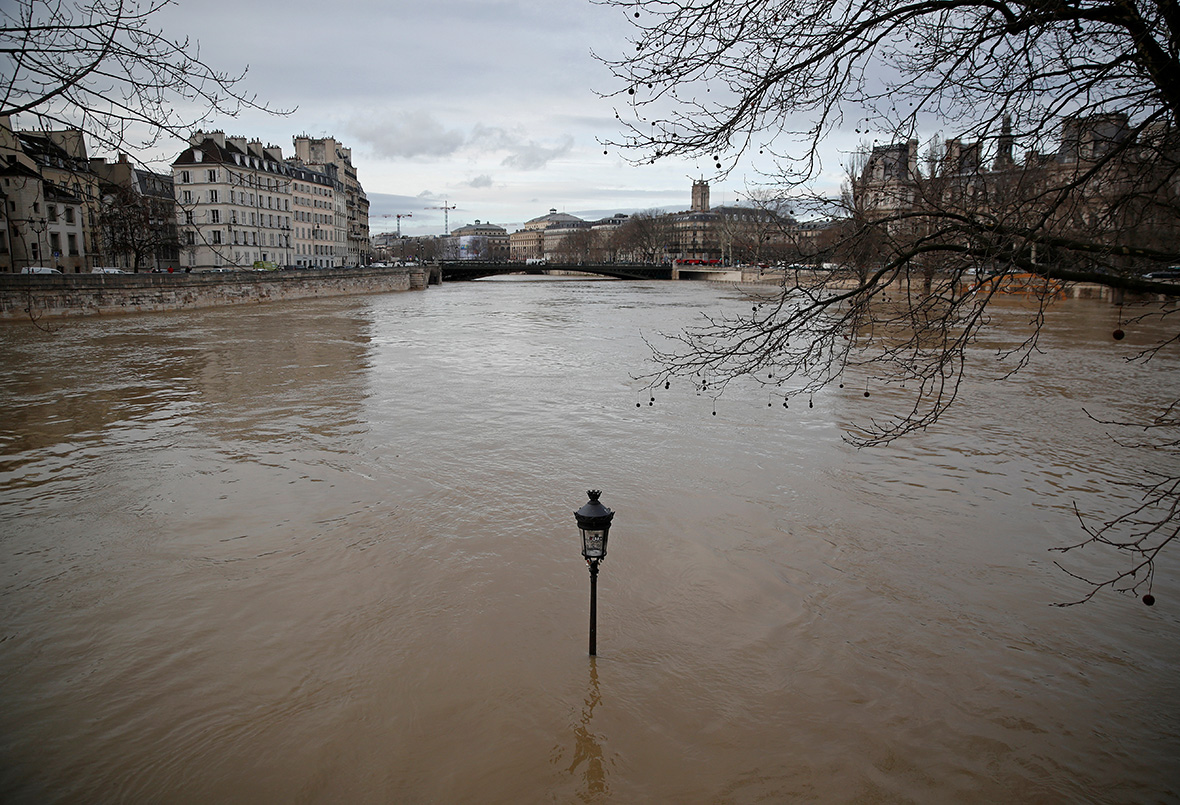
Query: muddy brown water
{"x": 324, "y": 551}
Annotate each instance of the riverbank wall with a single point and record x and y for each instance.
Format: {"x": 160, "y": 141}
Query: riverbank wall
{"x": 35, "y": 296}
{"x": 1012, "y": 287}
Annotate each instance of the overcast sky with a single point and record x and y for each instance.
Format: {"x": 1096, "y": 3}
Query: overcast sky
{"x": 487, "y": 105}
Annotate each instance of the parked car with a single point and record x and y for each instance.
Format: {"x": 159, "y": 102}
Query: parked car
{"x": 106, "y": 270}
{"x": 1172, "y": 273}
{"x": 39, "y": 270}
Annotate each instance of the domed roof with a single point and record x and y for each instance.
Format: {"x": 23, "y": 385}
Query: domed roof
{"x": 480, "y": 228}
{"x": 554, "y": 218}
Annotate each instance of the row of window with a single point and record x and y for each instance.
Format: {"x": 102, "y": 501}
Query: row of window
{"x": 315, "y": 190}
{"x": 306, "y": 233}
{"x": 316, "y": 249}
{"x": 314, "y": 217}
{"x": 238, "y": 237}
{"x": 51, "y": 213}
{"x": 312, "y": 202}
{"x": 238, "y": 197}
{"x": 55, "y": 244}
{"x": 256, "y": 219}
{"x": 212, "y": 175}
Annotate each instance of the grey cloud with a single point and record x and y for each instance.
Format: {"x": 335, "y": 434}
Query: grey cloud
{"x": 522, "y": 155}
{"x": 408, "y": 135}
{"x": 533, "y": 156}
{"x": 419, "y": 134}
{"x": 480, "y": 181}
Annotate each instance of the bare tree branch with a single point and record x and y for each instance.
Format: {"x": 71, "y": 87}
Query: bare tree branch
{"x": 1071, "y": 173}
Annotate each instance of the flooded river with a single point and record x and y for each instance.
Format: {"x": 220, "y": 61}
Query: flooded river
{"x": 325, "y": 551}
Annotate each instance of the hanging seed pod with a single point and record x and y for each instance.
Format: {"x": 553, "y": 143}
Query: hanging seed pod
{"x": 1119, "y": 334}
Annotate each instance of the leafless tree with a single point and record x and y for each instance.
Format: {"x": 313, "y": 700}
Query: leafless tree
{"x": 104, "y": 68}
{"x": 1063, "y": 165}
{"x": 644, "y": 237}
{"x": 137, "y": 227}
{"x": 575, "y": 247}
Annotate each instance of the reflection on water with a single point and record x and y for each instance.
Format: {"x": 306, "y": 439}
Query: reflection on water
{"x": 325, "y": 551}
{"x": 587, "y": 759}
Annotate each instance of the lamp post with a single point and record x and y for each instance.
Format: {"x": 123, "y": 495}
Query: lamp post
{"x": 594, "y": 523}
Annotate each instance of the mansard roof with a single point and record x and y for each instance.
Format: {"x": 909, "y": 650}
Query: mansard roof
{"x": 210, "y": 151}
{"x": 17, "y": 168}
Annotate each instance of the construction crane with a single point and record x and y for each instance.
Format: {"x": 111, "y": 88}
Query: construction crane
{"x": 399, "y": 216}
{"x": 446, "y": 219}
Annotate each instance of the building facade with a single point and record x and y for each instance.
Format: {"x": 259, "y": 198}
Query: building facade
{"x": 541, "y": 238}
{"x": 49, "y": 201}
{"x": 137, "y": 217}
{"x": 1107, "y": 185}
{"x": 479, "y": 241}
{"x": 233, "y": 202}
{"x": 351, "y": 210}
{"x": 317, "y": 234}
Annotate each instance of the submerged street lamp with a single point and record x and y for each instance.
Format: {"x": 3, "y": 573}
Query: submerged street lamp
{"x": 594, "y": 522}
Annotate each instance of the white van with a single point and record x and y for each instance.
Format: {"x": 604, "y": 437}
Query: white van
{"x": 39, "y": 270}
{"x": 106, "y": 270}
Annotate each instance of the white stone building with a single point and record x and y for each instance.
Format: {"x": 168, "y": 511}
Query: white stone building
{"x": 233, "y": 203}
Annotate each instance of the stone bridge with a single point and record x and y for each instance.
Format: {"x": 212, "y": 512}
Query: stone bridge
{"x": 459, "y": 271}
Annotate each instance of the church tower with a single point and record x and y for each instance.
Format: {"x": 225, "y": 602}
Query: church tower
{"x": 700, "y": 196}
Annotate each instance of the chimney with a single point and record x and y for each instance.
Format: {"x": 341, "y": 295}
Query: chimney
{"x": 200, "y": 137}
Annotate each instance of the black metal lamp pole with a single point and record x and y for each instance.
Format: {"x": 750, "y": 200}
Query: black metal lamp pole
{"x": 593, "y": 607}
{"x": 594, "y": 522}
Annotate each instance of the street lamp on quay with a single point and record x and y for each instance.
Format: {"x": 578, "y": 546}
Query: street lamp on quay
{"x": 594, "y": 523}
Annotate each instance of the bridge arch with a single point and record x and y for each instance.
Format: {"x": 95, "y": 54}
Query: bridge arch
{"x": 461, "y": 271}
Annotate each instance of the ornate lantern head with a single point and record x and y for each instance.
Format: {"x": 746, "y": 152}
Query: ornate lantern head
{"x": 594, "y": 522}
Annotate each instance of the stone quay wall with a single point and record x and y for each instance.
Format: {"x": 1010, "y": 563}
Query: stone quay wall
{"x": 25, "y": 296}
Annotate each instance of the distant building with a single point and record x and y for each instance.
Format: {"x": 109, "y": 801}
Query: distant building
{"x": 541, "y": 237}
{"x": 1097, "y": 182}
{"x": 478, "y": 241}
{"x": 888, "y": 183}
{"x": 727, "y": 235}
{"x": 137, "y": 216}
